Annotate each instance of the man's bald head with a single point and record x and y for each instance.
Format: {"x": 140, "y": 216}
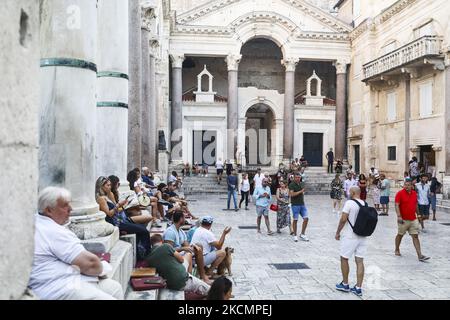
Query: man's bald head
{"x": 355, "y": 192}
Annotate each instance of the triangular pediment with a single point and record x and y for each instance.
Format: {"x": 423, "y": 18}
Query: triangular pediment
{"x": 229, "y": 14}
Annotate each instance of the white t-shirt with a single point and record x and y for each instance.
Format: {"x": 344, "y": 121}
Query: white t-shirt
{"x": 352, "y": 209}
{"x": 219, "y": 165}
{"x": 258, "y": 180}
{"x": 172, "y": 178}
{"x": 56, "y": 247}
{"x": 205, "y": 238}
{"x": 245, "y": 185}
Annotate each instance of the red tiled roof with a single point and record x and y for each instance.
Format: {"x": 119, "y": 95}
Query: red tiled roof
{"x": 190, "y": 96}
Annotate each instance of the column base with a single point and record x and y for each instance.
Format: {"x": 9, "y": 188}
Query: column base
{"x": 91, "y": 226}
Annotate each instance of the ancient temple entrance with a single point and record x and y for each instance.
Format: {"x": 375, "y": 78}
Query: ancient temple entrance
{"x": 313, "y": 148}
{"x": 204, "y": 143}
{"x": 258, "y": 140}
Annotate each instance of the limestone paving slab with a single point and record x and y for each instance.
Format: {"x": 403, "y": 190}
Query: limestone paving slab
{"x": 387, "y": 276}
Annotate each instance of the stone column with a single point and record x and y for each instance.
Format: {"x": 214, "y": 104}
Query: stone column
{"x": 112, "y": 90}
{"x": 407, "y": 120}
{"x": 146, "y": 14}
{"x": 177, "y": 112}
{"x": 154, "y": 134}
{"x": 341, "y": 109}
{"x": 68, "y": 109}
{"x": 233, "y": 107}
{"x": 19, "y": 101}
{"x": 447, "y": 113}
{"x": 289, "y": 101}
{"x": 134, "y": 101}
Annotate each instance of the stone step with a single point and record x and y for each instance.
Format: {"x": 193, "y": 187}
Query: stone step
{"x": 121, "y": 263}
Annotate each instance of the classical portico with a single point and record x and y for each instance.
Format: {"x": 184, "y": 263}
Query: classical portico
{"x": 238, "y": 43}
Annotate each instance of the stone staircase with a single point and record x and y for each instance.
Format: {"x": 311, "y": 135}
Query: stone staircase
{"x": 197, "y": 185}
{"x": 318, "y": 181}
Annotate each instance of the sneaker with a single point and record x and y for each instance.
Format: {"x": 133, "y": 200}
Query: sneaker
{"x": 356, "y": 291}
{"x": 343, "y": 287}
{"x": 304, "y": 237}
{"x": 295, "y": 238}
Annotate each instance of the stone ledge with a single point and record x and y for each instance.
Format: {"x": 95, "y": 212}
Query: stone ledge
{"x": 101, "y": 245}
{"x": 122, "y": 263}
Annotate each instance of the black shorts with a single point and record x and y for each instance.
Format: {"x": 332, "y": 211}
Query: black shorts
{"x": 424, "y": 210}
{"x": 219, "y": 171}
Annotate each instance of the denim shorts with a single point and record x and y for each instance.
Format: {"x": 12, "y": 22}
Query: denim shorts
{"x": 298, "y": 210}
{"x": 384, "y": 200}
{"x": 262, "y": 211}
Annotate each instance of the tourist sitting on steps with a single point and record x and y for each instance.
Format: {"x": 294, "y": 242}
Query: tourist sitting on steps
{"x": 186, "y": 171}
{"x": 213, "y": 253}
{"x": 172, "y": 266}
{"x": 62, "y": 269}
{"x": 177, "y": 238}
{"x": 115, "y": 215}
{"x": 139, "y": 187}
{"x": 178, "y": 201}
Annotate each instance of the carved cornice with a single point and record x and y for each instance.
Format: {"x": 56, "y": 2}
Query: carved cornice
{"x": 233, "y": 61}
{"x": 372, "y": 24}
{"x": 307, "y": 8}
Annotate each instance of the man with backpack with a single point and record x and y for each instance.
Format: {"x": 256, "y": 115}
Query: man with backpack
{"x": 359, "y": 221}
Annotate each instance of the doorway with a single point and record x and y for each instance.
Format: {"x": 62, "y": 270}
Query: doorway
{"x": 357, "y": 158}
{"x": 428, "y": 158}
{"x": 313, "y": 149}
{"x": 205, "y": 144}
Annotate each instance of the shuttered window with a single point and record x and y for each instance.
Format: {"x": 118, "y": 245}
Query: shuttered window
{"x": 426, "y": 99}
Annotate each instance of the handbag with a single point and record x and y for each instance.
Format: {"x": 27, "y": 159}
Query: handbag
{"x": 274, "y": 207}
{"x": 144, "y": 200}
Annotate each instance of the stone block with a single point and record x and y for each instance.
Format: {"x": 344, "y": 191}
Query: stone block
{"x": 101, "y": 245}
{"x": 131, "y": 238}
{"x": 122, "y": 263}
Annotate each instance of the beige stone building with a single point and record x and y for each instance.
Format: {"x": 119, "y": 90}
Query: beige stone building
{"x": 399, "y": 86}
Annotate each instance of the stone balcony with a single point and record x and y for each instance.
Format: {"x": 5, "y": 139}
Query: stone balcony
{"x": 418, "y": 53}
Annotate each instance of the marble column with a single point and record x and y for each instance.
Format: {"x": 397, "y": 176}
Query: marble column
{"x": 112, "y": 90}
{"x": 233, "y": 106}
{"x": 68, "y": 109}
{"x": 289, "y": 101}
{"x": 341, "y": 109}
{"x": 177, "y": 112}
{"x": 135, "y": 70}
{"x": 19, "y": 96}
{"x": 407, "y": 120}
{"x": 447, "y": 114}
{"x": 146, "y": 14}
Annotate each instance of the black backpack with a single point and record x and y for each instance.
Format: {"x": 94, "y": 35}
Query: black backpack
{"x": 366, "y": 221}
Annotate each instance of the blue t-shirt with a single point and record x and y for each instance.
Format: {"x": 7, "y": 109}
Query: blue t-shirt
{"x": 178, "y": 237}
{"x": 147, "y": 180}
{"x": 190, "y": 233}
{"x": 232, "y": 183}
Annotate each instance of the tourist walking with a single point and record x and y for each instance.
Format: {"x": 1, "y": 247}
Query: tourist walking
{"x": 351, "y": 243}
{"x": 245, "y": 190}
{"x": 424, "y": 194}
{"x": 284, "y": 210}
{"x": 297, "y": 192}
{"x": 229, "y": 167}
{"x": 232, "y": 183}
{"x": 219, "y": 170}
{"x": 406, "y": 209}
{"x": 337, "y": 190}
{"x": 257, "y": 179}
{"x": 263, "y": 197}
{"x": 330, "y": 159}
{"x": 375, "y": 191}
{"x": 362, "y": 184}
{"x": 348, "y": 183}
{"x": 385, "y": 191}
{"x": 435, "y": 188}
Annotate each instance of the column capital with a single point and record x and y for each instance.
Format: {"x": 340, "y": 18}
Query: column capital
{"x": 341, "y": 66}
{"x": 233, "y": 61}
{"x": 177, "y": 60}
{"x": 147, "y": 15}
{"x": 290, "y": 64}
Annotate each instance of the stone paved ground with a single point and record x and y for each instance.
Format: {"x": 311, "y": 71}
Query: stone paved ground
{"x": 387, "y": 276}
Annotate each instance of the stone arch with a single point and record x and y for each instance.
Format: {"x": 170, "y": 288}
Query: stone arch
{"x": 266, "y": 25}
{"x": 270, "y": 104}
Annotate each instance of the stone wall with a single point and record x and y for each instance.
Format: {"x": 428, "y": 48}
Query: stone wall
{"x": 19, "y": 100}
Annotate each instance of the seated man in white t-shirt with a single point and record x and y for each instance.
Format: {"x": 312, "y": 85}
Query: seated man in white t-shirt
{"x": 351, "y": 243}
{"x": 62, "y": 269}
{"x": 213, "y": 254}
